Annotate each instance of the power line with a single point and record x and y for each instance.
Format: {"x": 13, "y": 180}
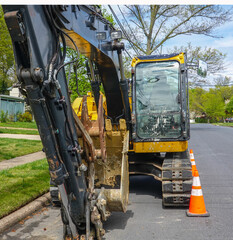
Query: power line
{"x": 127, "y": 22}
{"x": 128, "y": 53}
{"x": 123, "y": 30}
{"x": 132, "y": 30}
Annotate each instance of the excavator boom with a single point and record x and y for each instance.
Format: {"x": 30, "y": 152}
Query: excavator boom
{"x": 40, "y": 35}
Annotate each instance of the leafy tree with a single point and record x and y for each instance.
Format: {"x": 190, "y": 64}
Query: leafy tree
{"x": 7, "y": 76}
{"x": 81, "y": 85}
{"x": 214, "y": 106}
{"x": 208, "y": 103}
{"x": 160, "y": 23}
{"x": 108, "y": 16}
{"x": 127, "y": 66}
{"x": 196, "y": 100}
{"x": 225, "y": 91}
{"x": 229, "y": 107}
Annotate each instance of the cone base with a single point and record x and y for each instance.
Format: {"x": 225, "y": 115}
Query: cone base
{"x": 189, "y": 214}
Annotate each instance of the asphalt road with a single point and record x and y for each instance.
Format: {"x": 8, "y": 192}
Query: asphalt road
{"x": 145, "y": 218}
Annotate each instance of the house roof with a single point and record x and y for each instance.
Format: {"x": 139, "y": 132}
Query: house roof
{"x": 7, "y": 97}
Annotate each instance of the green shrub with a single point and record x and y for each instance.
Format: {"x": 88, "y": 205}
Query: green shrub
{"x": 201, "y": 120}
{"x": 205, "y": 120}
{"x": 11, "y": 118}
{"x": 24, "y": 117}
{"x": 3, "y": 116}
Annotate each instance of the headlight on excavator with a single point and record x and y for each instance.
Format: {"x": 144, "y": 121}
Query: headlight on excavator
{"x": 101, "y": 35}
{"x": 116, "y": 35}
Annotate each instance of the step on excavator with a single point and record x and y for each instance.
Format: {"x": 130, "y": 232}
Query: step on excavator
{"x": 137, "y": 127}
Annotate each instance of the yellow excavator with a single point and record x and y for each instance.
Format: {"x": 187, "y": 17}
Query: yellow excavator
{"x": 160, "y": 126}
{"x": 137, "y": 127}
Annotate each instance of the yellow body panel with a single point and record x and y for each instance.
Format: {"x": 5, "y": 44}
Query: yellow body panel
{"x": 130, "y": 103}
{"x": 179, "y": 58}
{"x": 76, "y": 105}
{"x": 92, "y": 111}
{"x": 153, "y": 147}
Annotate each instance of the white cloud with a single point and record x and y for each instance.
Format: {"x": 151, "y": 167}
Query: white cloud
{"x": 229, "y": 69}
{"x": 225, "y": 42}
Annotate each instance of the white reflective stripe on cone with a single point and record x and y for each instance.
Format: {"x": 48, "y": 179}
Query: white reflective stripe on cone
{"x": 193, "y": 163}
{"x": 196, "y": 182}
{"x": 196, "y": 192}
{"x": 191, "y": 156}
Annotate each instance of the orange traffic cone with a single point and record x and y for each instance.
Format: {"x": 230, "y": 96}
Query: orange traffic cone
{"x": 192, "y": 161}
{"x": 197, "y": 204}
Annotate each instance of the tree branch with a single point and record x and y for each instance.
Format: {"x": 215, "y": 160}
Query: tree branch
{"x": 169, "y": 35}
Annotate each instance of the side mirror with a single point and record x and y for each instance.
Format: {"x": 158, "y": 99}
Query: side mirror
{"x": 202, "y": 68}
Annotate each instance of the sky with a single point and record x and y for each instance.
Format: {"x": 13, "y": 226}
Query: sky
{"x": 224, "y": 44}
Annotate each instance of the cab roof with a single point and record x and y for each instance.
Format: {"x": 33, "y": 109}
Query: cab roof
{"x": 162, "y": 56}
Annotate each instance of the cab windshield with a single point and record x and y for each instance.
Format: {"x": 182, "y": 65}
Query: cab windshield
{"x": 158, "y": 109}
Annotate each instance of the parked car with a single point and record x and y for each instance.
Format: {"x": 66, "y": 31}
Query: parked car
{"x": 229, "y": 119}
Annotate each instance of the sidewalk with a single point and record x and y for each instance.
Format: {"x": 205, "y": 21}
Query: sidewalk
{"x": 21, "y": 160}
{"x": 34, "y": 129}
{"x": 20, "y": 136}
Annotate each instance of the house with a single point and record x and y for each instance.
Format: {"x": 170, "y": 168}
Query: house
{"x": 12, "y": 105}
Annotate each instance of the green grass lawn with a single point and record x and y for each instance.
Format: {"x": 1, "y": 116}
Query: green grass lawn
{"x": 19, "y": 124}
{"x": 224, "y": 124}
{"x": 19, "y": 131}
{"x": 11, "y": 148}
{"x": 22, "y": 184}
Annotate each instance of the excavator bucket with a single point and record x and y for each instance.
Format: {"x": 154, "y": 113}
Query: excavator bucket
{"x": 105, "y": 146}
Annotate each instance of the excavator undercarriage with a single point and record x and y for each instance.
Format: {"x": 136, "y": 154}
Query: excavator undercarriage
{"x": 172, "y": 169}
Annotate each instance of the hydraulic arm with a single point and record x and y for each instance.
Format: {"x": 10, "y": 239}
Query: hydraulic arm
{"x": 38, "y": 33}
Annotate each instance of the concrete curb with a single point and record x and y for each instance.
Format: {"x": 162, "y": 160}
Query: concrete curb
{"x": 23, "y": 212}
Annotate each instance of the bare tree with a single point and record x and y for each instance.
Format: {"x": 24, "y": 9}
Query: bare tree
{"x": 155, "y": 24}
{"x": 213, "y": 57}
{"x": 222, "y": 81}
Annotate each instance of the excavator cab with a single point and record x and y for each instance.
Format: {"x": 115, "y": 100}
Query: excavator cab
{"x": 158, "y": 108}
{"x": 160, "y": 124}
{"x": 160, "y": 98}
